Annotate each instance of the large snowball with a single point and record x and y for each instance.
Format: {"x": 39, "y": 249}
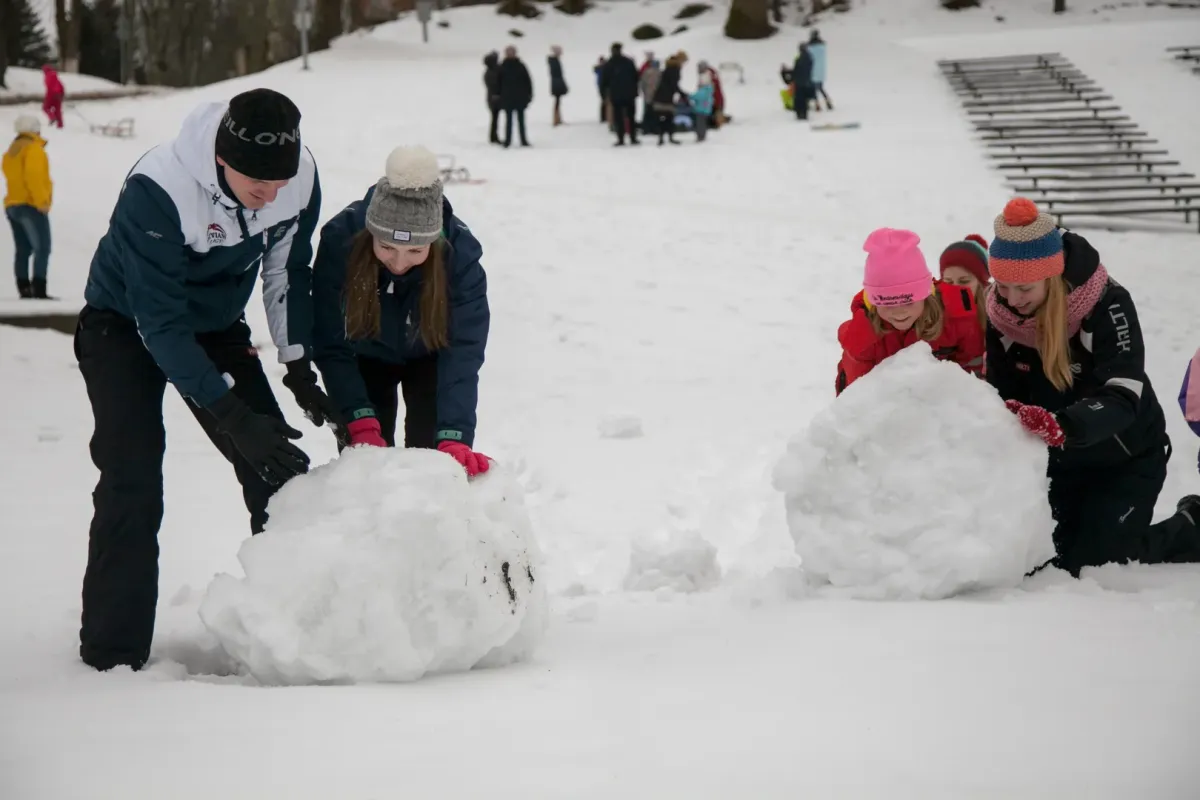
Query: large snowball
{"x": 384, "y": 565}
{"x": 916, "y": 482}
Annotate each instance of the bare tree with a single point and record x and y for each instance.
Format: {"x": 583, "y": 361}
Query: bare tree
{"x": 68, "y": 22}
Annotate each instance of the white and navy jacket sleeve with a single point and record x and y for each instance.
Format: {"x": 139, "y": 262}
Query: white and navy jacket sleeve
{"x": 287, "y": 272}
{"x": 147, "y": 223}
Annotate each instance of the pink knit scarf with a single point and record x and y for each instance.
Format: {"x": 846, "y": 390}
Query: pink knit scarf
{"x": 1023, "y": 330}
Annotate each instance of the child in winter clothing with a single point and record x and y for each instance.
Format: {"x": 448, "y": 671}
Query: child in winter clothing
{"x": 27, "y": 205}
{"x": 702, "y": 105}
{"x": 400, "y": 303}
{"x": 965, "y": 264}
{"x": 1065, "y": 352}
{"x": 53, "y": 102}
{"x": 900, "y": 304}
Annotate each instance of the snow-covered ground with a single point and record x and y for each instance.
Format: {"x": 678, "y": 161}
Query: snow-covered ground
{"x": 22, "y": 80}
{"x": 663, "y": 322}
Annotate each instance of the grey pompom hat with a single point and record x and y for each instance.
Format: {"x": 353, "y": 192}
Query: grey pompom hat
{"x": 406, "y": 208}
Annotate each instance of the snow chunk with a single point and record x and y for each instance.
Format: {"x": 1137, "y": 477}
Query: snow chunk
{"x": 686, "y": 562}
{"x": 916, "y": 483}
{"x": 383, "y": 565}
{"x": 620, "y": 426}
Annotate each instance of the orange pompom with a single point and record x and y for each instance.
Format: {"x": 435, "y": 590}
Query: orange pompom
{"x": 1020, "y": 211}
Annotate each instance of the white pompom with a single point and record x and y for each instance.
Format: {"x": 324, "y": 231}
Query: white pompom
{"x": 411, "y": 168}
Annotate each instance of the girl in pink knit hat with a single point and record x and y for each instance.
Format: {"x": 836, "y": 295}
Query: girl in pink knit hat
{"x": 1065, "y": 353}
{"x": 901, "y": 304}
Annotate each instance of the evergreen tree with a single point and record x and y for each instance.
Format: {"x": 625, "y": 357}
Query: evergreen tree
{"x": 25, "y": 42}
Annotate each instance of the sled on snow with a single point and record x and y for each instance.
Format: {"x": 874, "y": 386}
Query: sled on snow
{"x": 121, "y": 128}
{"x": 452, "y": 173}
{"x": 836, "y": 126}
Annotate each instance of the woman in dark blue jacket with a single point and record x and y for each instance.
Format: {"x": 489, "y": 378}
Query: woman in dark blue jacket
{"x": 400, "y": 302}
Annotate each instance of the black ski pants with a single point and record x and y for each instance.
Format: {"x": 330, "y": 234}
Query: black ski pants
{"x": 493, "y": 133}
{"x": 509, "y": 113}
{"x": 126, "y": 387}
{"x": 417, "y": 381}
{"x": 1104, "y": 515}
{"x": 625, "y": 120}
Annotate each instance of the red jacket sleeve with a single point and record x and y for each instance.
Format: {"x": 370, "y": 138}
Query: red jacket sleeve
{"x": 860, "y": 348}
{"x": 965, "y": 334}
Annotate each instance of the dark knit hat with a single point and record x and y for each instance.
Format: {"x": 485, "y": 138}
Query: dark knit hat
{"x": 971, "y": 254}
{"x": 1028, "y": 246}
{"x": 259, "y": 135}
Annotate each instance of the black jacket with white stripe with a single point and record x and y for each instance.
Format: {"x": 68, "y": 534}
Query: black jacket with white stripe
{"x": 1110, "y": 413}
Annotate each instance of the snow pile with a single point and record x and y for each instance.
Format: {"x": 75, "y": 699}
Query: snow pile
{"x": 685, "y": 562}
{"x": 383, "y": 565}
{"x": 916, "y": 483}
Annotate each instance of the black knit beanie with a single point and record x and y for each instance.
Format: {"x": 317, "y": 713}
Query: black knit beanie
{"x": 259, "y": 135}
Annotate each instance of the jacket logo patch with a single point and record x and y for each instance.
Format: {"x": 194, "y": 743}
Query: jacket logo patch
{"x": 1121, "y": 325}
{"x": 216, "y": 234}
{"x": 1076, "y": 369}
{"x": 1021, "y": 366}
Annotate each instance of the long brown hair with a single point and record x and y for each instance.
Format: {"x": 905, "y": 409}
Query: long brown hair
{"x": 928, "y": 326}
{"x": 1052, "y": 344}
{"x": 361, "y": 293}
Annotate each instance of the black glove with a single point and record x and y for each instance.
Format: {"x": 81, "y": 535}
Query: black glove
{"x": 261, "y": 439}
{"x": 315, "y": 404}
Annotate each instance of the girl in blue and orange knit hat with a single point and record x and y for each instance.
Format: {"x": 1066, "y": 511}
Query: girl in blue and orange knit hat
{"x": 901, "y": 304}
{"x": 1065, "y": 353}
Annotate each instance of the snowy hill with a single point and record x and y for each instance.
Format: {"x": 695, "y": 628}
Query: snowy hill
{"x": 693, "y": 293}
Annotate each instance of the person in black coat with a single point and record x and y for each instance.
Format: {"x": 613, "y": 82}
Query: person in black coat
{"x": 1065, "y": 352}
{"x": 558, "y": 84}
{"x": 491, "y": 83}
{"x": 665, "y": 97}
{"x": 619, "y": 82}
{"x": 516, "y": 93}
{"x": 802, "y": 82}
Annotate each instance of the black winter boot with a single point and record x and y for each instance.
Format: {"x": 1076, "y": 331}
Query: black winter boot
{"x": 39, "y": 289}
{"x": 24, "y": 290}
{"x": 1190, "y": 508}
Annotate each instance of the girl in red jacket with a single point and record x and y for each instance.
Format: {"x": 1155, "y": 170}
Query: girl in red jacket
{"x": 900, "y": 304}
{"x": 965, "y": 263}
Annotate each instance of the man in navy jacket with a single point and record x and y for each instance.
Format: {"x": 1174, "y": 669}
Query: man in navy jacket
{"x": 197, "y": 220}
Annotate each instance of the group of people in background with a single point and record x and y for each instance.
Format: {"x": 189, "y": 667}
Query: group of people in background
{"x": 1036, "y": 314}
{"x": 666, "y": 106}
{"x": 804, "y": 79}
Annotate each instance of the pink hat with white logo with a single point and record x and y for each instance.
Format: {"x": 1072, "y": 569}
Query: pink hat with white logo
{"x": 896, "y": 273}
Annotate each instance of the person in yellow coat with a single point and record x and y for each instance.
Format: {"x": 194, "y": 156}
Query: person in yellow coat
{"x": 27, "y": 205}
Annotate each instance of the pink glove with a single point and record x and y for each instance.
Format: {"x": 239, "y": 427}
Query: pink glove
{"x": 1039, "y": 422}
{"x": 366, "y": 431}
{"x": 474, "y": 463}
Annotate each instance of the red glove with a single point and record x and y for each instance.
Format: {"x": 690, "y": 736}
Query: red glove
{"x": 366, "y": 431}
{"x": 1039, "y": 422}
{"x": 474, "y": 463}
